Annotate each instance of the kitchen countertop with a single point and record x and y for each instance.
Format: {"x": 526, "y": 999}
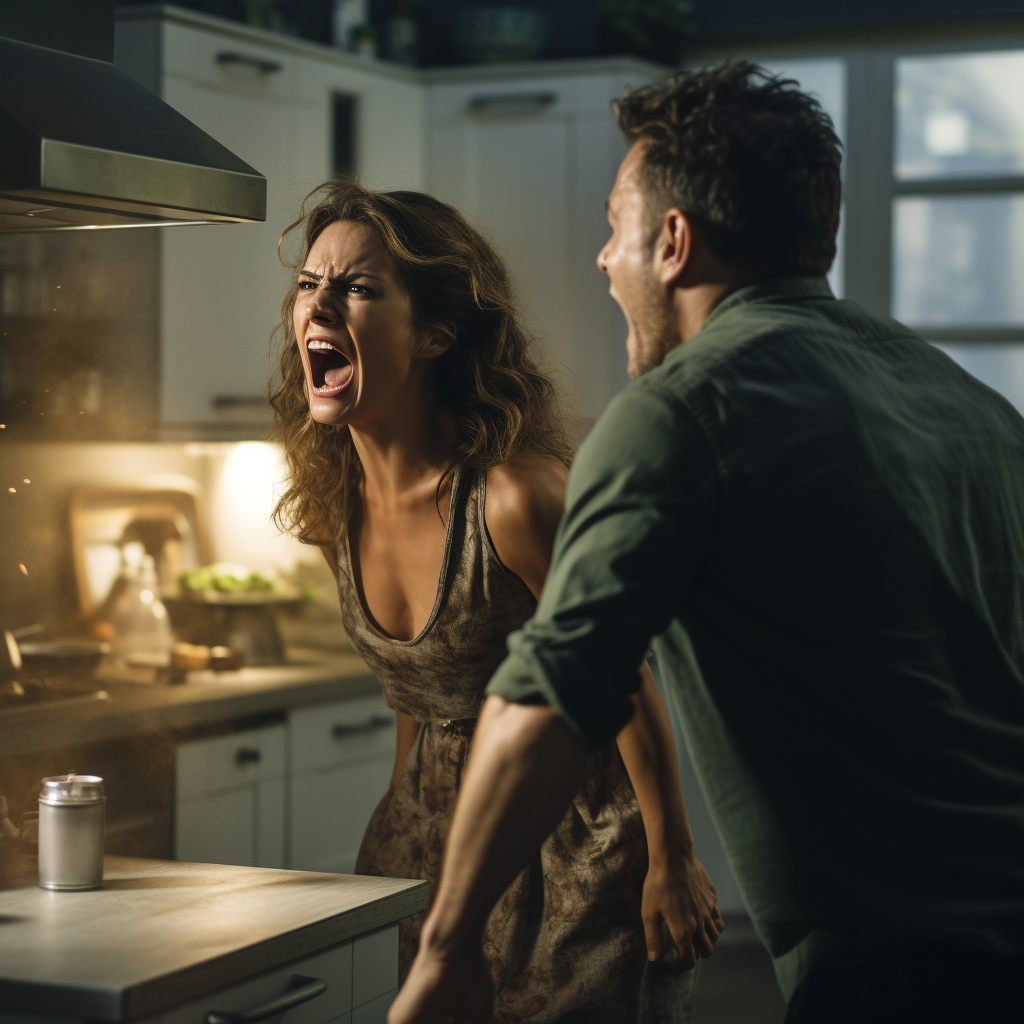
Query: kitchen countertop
{"x": 160, "y": 933}
{"x": 205, "y": 699}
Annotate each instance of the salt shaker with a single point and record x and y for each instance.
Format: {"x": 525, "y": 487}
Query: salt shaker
{"x": 71, "y": 832}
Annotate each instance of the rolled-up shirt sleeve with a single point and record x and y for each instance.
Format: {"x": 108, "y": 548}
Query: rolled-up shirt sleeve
{"x": 638, "y": 513}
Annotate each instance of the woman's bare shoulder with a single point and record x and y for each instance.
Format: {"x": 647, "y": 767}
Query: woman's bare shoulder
{"x": 525, "y": 501}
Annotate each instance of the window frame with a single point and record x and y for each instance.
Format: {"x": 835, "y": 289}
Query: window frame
{"x": 870, "y": 185}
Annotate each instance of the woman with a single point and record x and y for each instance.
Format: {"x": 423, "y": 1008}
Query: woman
{"x": 427, "y": 462}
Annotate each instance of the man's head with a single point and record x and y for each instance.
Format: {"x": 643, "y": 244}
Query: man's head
{"x": 733, "y": 175}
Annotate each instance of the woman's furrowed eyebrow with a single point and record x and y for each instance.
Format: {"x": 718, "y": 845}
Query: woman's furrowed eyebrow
{"x": 341, "y": 277}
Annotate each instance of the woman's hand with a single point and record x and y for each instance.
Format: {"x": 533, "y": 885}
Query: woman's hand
{"x": 679, "y": 891}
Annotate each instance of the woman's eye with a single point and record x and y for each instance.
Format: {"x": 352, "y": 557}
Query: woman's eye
{"x": 305, "y": 286}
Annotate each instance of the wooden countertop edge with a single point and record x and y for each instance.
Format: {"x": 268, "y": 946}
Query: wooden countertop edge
{"x": 162, "y": 994}
{"x": 55, "y": 726}
{"x": 158, "y": 995}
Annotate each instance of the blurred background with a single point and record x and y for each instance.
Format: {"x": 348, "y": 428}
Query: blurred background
{"x": 134, "y": 357}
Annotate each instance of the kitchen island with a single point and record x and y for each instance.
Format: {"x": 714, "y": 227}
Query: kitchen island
{"x": 169, "y": 941}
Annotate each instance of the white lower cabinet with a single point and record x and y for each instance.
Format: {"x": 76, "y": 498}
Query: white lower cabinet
{"x": 342, "y": 756}
{"x": 297, "y": 795}
{"x": 230, "y": 803}
{"x": 361, "y": 977}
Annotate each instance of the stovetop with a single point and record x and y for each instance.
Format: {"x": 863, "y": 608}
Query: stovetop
{"x": 25, "y": 694}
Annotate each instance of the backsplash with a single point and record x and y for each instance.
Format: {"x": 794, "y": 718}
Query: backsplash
{"x": 78, "y": 334}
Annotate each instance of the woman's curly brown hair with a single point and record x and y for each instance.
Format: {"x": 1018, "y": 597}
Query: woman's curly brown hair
{"x": 502, "y": 405}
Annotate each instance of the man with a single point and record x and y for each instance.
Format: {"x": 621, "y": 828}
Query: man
{"x": 816, "y": 521}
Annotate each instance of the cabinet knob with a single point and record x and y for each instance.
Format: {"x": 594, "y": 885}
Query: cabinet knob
{"x": 362, "y": 728}
{"x": 300, "y": 990}
{"x": 247, "y": 755}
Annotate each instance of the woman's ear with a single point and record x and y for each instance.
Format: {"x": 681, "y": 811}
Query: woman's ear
{"x": 430, "y": 346}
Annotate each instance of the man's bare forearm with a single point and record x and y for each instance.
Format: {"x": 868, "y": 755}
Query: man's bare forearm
{"x": 524, "y": 768}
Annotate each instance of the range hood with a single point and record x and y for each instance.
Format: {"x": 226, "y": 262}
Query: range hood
{"x": 84, "y": 145}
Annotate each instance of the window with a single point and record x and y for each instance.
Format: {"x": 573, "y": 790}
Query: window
{"x": 932, "y": 230}
{"x": 958, "y": 209}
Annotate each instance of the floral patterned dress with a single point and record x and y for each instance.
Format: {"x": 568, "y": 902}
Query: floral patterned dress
{"x": 565, "y": 943}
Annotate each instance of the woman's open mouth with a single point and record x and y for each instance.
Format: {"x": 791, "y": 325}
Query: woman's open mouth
{"x": 330, "y": 369}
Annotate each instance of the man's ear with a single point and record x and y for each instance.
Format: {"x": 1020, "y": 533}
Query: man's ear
{"x": 673, "y": 250}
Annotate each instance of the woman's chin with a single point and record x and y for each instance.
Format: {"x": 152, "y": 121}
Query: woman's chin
{"x": 329, "y": 409}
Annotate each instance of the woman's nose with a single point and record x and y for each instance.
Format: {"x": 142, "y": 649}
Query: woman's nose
{"x": 320, "y": 310}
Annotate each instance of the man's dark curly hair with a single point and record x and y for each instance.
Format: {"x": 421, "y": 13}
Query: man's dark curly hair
{"x": 752, "y": 160}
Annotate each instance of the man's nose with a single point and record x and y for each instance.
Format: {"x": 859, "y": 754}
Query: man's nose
{"x": 602, "y": 260}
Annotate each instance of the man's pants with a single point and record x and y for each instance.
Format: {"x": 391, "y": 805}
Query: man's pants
{"x": 937, "y": 984}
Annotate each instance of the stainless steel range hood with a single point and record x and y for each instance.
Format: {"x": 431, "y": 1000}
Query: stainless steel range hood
{"x": 84, "y": 145}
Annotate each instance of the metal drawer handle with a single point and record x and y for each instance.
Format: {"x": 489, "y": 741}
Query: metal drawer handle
{"x": 511, "y": 102}
{"x": 247, "y": 755}
{"x": 372, "y": 725}
{"x": 264, "y": 67}
{"x": 300, "y": 990}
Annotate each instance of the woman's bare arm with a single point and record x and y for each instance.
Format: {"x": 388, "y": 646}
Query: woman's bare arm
{"x": 525, "y": 501}
{"x": 677, "y": 888}
{"x": 408, "y": 729}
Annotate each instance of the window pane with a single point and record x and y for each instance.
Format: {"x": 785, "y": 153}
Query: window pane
{"x": 959, "y": 260}
{"x": 1001, "y": 367}
{"x": 960, "y": 115}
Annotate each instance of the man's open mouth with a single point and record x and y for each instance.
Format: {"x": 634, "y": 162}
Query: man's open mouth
{"x": 330, "y": 369}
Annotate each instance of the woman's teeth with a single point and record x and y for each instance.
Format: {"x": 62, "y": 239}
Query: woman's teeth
{"x": 330, "y": 369}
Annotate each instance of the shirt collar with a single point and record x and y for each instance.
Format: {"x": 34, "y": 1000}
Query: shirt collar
{"x": 773, "y": 289}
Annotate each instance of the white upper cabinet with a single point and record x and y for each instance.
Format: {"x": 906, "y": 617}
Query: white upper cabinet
{"x": 527, "y": 152}
{"x": 530, "y": 159}
{"x": 271, "y": 101}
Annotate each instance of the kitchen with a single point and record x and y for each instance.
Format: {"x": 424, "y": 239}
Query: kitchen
{"x": 156, "y": 407}
{"x": 128, "y": 436}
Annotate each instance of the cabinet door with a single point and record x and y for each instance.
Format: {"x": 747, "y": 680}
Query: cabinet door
{"x": 230, "y": 799}
{"x": 329, "y": 811}
{"x": 223, "y": 283}
{"x": 216, "y": 828}
{"x": 531, "y": 161}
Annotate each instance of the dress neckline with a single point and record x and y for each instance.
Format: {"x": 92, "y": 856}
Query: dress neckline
{"x": 357, "y": 579}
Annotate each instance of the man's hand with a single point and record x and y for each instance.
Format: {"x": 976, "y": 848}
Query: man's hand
{"x": 456, "y": 989}
{"x": 683, "y": 895}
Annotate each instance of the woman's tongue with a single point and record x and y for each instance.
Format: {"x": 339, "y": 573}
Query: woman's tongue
{"x": 339, "y": 376}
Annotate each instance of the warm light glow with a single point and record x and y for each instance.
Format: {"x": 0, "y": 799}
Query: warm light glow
{"x": 26, "y": 481}
{"x": 21, "y": 566}
{"x": 246, "y": 481}
{"x": 146, "y": 597}
{"x": 13, "y": 490}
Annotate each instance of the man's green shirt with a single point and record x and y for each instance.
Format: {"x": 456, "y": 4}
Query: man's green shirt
{"x": 815, "y": 521}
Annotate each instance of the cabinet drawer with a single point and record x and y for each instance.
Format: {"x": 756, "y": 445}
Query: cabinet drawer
{"x": 329, "y": 811}
{"x": 208, "y": 766}
{"x": 334, "y": 967}
{"x": 349, "y": 730}
{"x": 242, "y": 66}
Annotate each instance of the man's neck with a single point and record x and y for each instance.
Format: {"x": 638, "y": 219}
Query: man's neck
{"x": 695, "y": 303}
